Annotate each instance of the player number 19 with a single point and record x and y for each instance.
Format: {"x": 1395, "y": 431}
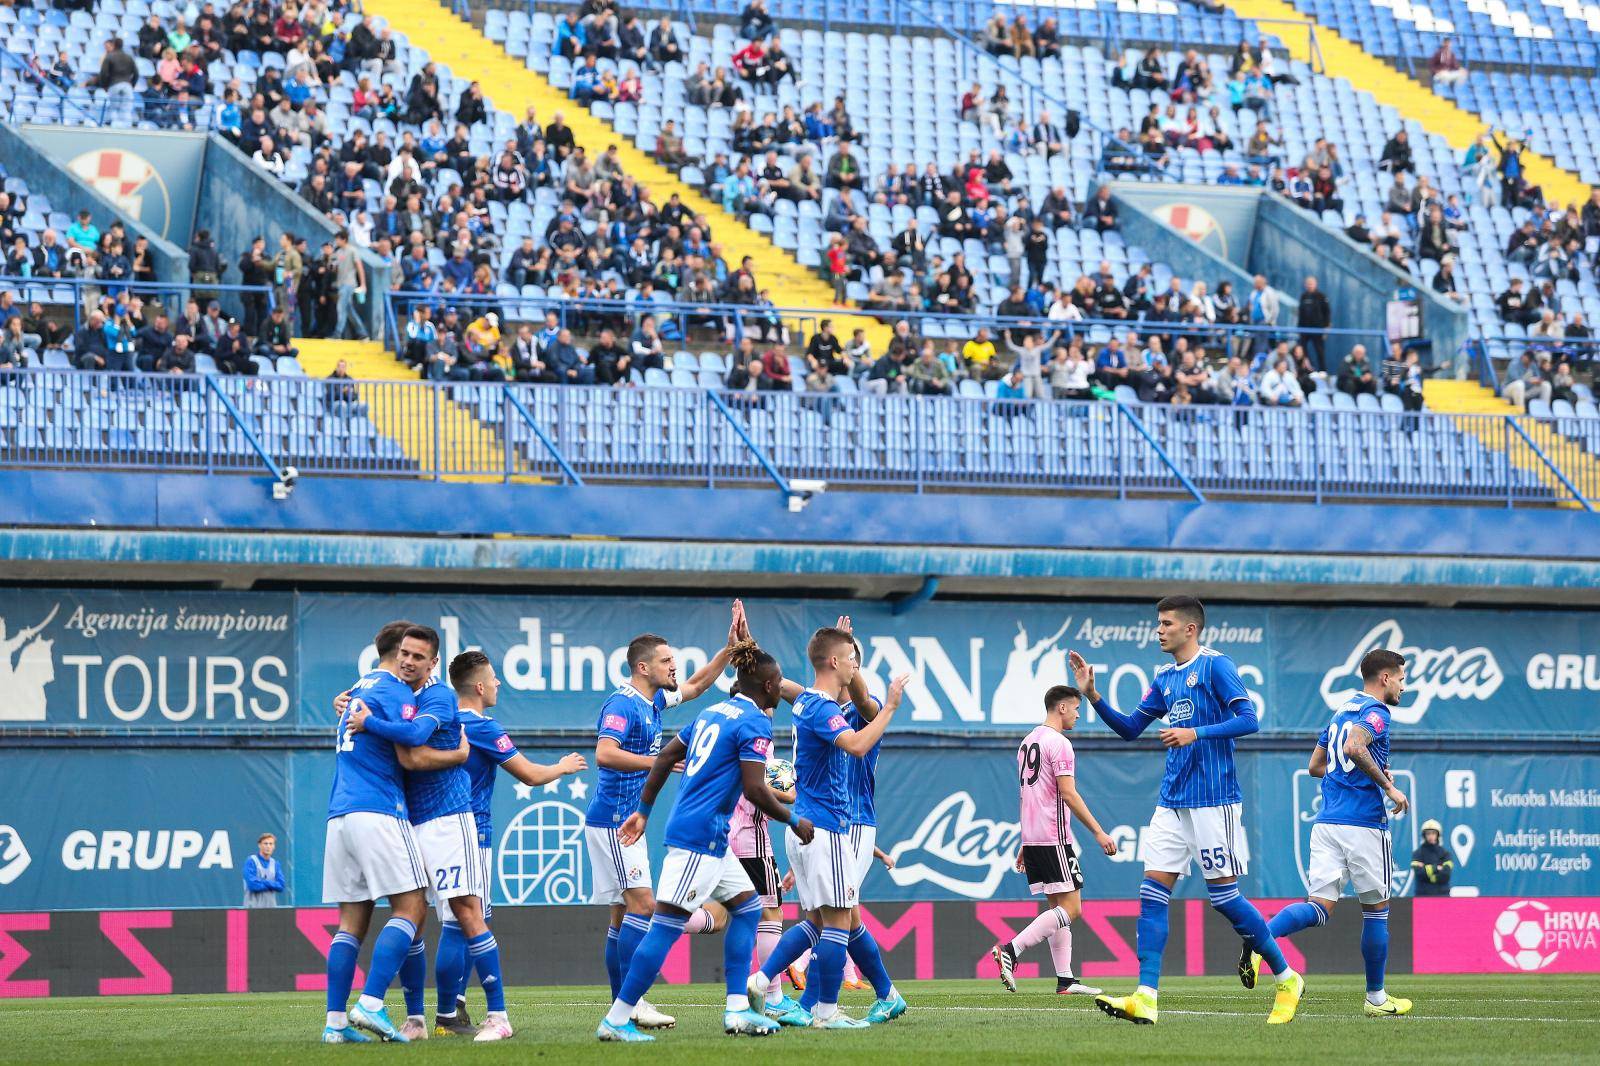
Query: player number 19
{"x": 704, "y": 740}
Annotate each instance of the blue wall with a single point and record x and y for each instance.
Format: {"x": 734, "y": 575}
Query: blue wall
{"x": 239, "y": 203}
{"x": 69, "y": 193}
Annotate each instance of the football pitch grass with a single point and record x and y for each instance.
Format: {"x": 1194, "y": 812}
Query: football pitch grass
{"x": 1203, "y": 1020}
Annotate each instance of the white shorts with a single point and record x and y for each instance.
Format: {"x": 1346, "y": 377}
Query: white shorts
{"x": 1359, "y": 854}
{"x": 486, "y": 863}
{"x": 824, "y": 870}
{"x": 615, "y": 866}
{"x": 1210, "y": 836}
{"x": 689, "y": 878}
{"x": 455, "y": 869}
{"x": 369, "y": 856}
{"x": 863, "y": 838}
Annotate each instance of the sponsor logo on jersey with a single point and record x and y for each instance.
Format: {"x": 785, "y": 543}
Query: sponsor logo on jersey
{"x": 1375, "y": 720}
{"x": 409, "y": 711}
{"x": 1181, "y": 711}
{"x": 1449, "y": 673}
{"x": 615, "y": 721}
{"x": 503, "y": 743}
{"x": 838, "y": 722}
{"x": 763, "y": 746}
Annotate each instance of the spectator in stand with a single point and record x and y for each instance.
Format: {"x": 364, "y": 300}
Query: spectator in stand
{"x": 572, "y": 367}
{"x": 1280, "y": 387}
{"x": 996, "y": 38}
{"x": 1314, "y": 314}
{"x": 1445, "y": 66}
{"x": 755, "y": 23}
{"x": 178, "y": 358}
{"x": 928, "y": 375}
{"x": 978, "y": 353}
{"x": 664, "y": 44}
{"x": 1515, "y": 306}
{"x": 1355, "y": 374}
{"x": 263, "y": 874}
{"x": 1528, "y": 383}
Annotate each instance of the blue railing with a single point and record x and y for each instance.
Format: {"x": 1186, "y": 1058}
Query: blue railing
{"x": 80, "y": 106}
{"x": 682, "y": 322}
{"x": 59, "y": 418}
{"x": 76, "y": 292}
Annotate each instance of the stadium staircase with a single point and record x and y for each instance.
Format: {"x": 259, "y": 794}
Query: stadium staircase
{"x": 424, "y": 423}
{"x": 513, "y": 88}
{"x": 1415, "y": 101}
{"x": 1447, "y": 396}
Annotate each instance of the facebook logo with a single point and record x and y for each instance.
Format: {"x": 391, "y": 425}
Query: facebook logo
{"x": 1460, "y": 788}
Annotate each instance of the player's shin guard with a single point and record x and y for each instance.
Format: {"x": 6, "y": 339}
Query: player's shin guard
{"x": 828, "y": 968}
{"x": 737, "y": 947}
{"x": 1229, "y": 902}
{"x": 1295, "y": 917}
{"x": 1061, "y": 950}
{"x": 1041, "y": 928}
{"x": 450, "y": 966}
{"x": 341, "y": 969}
{"x": 700, "y": 922}
{"x": 651, "y": 955}
{"x": 1375, "y": 946}
{"x": 388, "y": 954}
{"x": 414, "y": 979}
{"x": 869, "y": 961}
{"x": 613, "y": 965}
{"x": 632, "y": 934}
{"x": 484, "y": 951}
{"x": 1154, "y": 900}
{"x": 799, "y": 939}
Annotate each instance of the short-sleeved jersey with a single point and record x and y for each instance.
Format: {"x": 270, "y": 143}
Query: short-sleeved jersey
{"x": 635, "y": 724}
{"x": 719, "y": 741}
{"x": 822, "y": 771}
{"x": 366, "y": 770}
{"x": 1045, "y": 754}
{"x": 490, "y": 746}
{"x": 434, "y": 794}
{"x": 863, "y": 772}
{"x": 1200, "y": 692}
{"x": 748, "y": 834}
{"x": 1349, "y": 796}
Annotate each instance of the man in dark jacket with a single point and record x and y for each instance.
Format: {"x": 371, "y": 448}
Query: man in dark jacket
{"x": 1431, "y": 863}
{"x": 1315, "y": 314}
{"x": 154, "y": 340}
{"x": 117, "y": 68}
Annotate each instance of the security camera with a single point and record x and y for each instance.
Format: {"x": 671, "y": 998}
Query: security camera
{"x": 282, "y": 489}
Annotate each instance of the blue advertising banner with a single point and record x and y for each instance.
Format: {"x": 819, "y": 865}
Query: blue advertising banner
{"x": 1515, "y": 825}
{"x": 153, "y": 176}
{"x": 984, "y": 666}
{"x": 134, "y": 829}
{"x": 146, "y": 659}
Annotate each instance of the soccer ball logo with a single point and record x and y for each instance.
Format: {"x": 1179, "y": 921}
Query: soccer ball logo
{"x": 1519, "y": 936}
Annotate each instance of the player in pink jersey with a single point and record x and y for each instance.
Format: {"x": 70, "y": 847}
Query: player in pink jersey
{"x": 1046, "y": 776}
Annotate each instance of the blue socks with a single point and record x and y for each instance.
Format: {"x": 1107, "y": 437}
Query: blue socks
{"x": 632, "y": 933}
{"x": 388, "y": 955}
{"x": 341, "y": 969}
{"x": 450, "y": 966}
{"x": 1154, "y": 898}
{"x": 613, "y": 966}
{"x": 1247, "y": 922}
{"x": 827, "y": 964}
{"x": 869, "y": 960}
{"x": 739, "y": 944}
{"x": 485, "y": 955}
{"x": 796, "y": 941}
{"x": 414, "y": 979}
{"x": 1375, "y": 946}
{"x": 663, "y": 932}
{"x": 1295, "y": 917}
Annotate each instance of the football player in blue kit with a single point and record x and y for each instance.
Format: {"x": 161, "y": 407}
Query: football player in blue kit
{"x": 1350, "y": 840}
{"x": 371, "y": 851}
{"x": 724, "y": 754}
{"x": 1198, "y": 815}
{"x": 477, "y": 689}
{"x": 628, "y": 740}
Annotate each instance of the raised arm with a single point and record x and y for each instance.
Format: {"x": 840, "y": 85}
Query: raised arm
{"x": 707, "y": 675}
{"x": 407, "y": 734}
{"x": 529, "y": 772}
{"x": 1355, "y": 749}
{"x": 859, "y": 742}
{"x": 1128, "y": 727}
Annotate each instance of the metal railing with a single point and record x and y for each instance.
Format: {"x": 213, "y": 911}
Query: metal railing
{"x": 122, "y": 106}
{"x": 579, "y": 434}
{"x": 82, "y": 293}
{"x": 694, "y": 325}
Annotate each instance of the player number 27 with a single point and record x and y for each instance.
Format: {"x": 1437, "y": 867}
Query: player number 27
{"x": 446, "y": 877}
{"x": 704, "y": 740}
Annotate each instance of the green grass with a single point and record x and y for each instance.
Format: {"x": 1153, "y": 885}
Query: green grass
{"x": 1209, "y": 1020}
